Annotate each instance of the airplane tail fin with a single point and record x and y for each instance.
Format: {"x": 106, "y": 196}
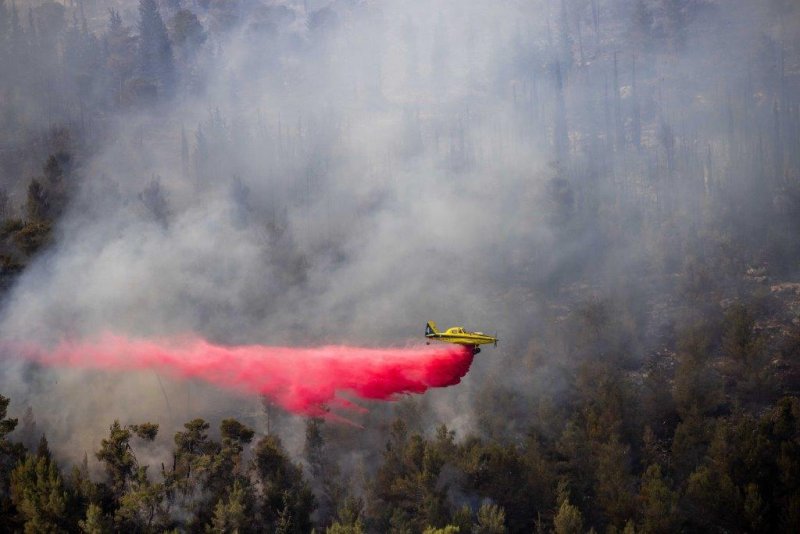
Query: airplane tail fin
{"x": 430, "y": 328}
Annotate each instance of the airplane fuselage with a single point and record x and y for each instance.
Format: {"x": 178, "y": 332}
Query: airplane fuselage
{"x": 459, "y": 336}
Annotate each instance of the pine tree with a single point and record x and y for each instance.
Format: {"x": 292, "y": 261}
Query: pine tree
{"x": 43, "y": 450}
{"x": 116, "y": 453}
{"x": 406, "y": 486}
{"x": 323, "y": 471}
{"x": 38, "y": 204}
{"x": 348, "y": 518}
{"x": 7, "y": 425}
{"x": 287, "y": 500}
{"x": 231, "y": 513}
{"x": 568, "y": 520}
{"x": 10, "y": 455}
{"x": 95, "y": 522}
{"x": 143, "y": 507}
{"x": 658, "y": 502}
{"x": 224, "y": 469}
{"x": 83, "y": 492}
{"x": 120, "y": 54}
{"x": 119, "y": 461}
{"x": 139, "y": 502}
{"x": 192, "y": 463}
{"x": 156, "y": 61}
{"x": 491, "y": 520}
{"x": 39, "y": 495}
{"x": 187, "y": 34}
{"x": 613, "y": 481}
{"x": 154, "y": 200}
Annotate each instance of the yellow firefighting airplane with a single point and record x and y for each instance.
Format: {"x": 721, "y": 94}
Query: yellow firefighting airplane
{"x": 459, "y": 336}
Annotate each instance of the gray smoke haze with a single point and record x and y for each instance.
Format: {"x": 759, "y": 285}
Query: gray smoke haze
{"x": 342, "y": 172}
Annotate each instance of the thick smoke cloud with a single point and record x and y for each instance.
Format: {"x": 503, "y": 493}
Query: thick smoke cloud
{"x": 329, "y": 176}
{"x": 340, "y": 173}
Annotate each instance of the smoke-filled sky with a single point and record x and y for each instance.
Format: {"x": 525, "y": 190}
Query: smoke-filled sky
{"x": 340, "y": 187}
{"x": 342, "y": 172}
{"x": 322, "y": 163}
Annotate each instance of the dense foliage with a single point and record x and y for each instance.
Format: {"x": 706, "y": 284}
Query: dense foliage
{"x": 733, "y": 471}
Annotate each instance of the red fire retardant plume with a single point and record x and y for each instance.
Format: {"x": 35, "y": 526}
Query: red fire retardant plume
{"x": 302, "y": 380}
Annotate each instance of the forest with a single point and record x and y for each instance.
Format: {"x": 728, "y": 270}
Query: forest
{"x": 613, "y": 185}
